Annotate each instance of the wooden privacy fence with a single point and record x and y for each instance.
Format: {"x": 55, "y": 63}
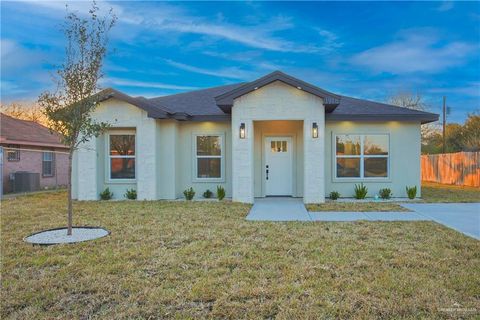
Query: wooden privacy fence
{"x": 462, "y": 168}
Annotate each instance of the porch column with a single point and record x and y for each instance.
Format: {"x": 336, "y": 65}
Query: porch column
{"x": 314, "y": 164}
{"x": 86, "y": 154}
{"x": 242, "y": 161}
{"x": 146, "y": 159}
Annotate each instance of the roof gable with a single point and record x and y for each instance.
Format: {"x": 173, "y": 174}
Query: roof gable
{"x": 225, "y": 101}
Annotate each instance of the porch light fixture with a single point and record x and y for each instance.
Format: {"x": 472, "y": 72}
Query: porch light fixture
{"x": 315, "y": 130}
{"x": 242, "y": 130}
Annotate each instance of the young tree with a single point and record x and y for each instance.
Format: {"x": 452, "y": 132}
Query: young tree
{"x": 69, "y": 108}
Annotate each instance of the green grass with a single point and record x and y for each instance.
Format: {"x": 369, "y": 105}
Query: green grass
{"x": 356, "y": 206}
{"x": 434, "y": 192}
{"x": 203, "y": 260}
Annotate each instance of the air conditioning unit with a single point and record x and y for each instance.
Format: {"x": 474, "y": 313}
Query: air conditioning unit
{"x": 24, "y": 181}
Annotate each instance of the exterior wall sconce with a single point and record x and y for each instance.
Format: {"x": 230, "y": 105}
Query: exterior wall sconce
{"x": 315, "y": 130}
{"x": 242, "y": 131}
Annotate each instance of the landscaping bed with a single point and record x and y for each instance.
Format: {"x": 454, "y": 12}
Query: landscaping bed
{"x": 166, "y": 259}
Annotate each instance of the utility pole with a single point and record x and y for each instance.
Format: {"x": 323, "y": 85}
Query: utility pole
{"x": 444, "y": 122}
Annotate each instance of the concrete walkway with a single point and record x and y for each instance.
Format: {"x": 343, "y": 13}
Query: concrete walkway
{"x": 463, "y": 217}
{"x": 278, "y": 209}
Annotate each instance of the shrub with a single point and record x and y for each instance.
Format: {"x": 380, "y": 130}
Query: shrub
{"x": 334, "y": 195}
{"x": 131, "y": 194}
{"x": 385, "y": 193}
{"x": 106, "y": 194}
{"x": 189, "y": 193}
{"x": 220, "y": 192}
{"x": 411, "y": 192}
{"x": 360, "y": 191}
{"x": 207, "y": 194}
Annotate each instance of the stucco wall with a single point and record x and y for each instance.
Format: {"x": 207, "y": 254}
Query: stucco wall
{"x": 90, "y": 164}
{"x": 186, "y": 157}
{"x": 404, "y": 157}
{"x": 277, "y": 101}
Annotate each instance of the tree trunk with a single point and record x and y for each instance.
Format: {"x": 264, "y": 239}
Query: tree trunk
{"x": 69, "y": 194}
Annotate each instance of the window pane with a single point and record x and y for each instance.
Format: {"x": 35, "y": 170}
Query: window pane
{"x": 348, "y": 145}
{"x": 273, "y": 146}
{"x": 376, "y": 144}
{"x": 209, "y": 168}
{"x": 348, "y": 167}
{"x": 208, "y": 146}
{"x": 375, "y": 167}
{"x": 284, "y": 146}
{"x": 47, "y": 168}
{"x": 122, "y": 168}
{"x": 122, "y": 144}
{"x": 48, "y": 156}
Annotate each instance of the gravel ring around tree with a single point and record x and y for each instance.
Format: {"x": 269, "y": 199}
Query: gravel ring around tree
{"x": 59, "y": 235}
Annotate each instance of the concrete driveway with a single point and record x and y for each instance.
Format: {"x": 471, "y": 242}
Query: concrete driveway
{"x": 463, "y": 217}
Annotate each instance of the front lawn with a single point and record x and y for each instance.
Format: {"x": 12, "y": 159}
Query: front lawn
{"x": 203, "y": 260}
{"x": 435, "y": 192}
{"x": 355, "y": 206}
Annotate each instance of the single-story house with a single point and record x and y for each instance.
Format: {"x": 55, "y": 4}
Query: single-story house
{"x": 30, "y": 147}
{"x": 274, "y": 136}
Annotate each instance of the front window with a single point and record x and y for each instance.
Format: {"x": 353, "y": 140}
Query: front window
{"x": 13, "y": 153}
{"x": 362, "y": 156}
{"x": 209, "y": 153}
{"x": 122, "y": 156}
{"x": 48, "y": 164}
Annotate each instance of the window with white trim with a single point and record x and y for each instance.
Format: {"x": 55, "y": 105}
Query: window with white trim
{"x": 48, "y": 164}
{"x": 121, "y": 156}
{"x": 362, "y": 156}
{"x": 208, "y": 156}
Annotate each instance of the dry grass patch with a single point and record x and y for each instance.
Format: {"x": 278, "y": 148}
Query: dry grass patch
{"x": 356, "y": 206}
{"x": 434, "y": 192}
{"x": 203, "y": 260}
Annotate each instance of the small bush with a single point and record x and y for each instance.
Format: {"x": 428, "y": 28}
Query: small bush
{"x": 106, "y": 194}
{"x": 131, "y": 194}
{"x": 220, "y": 192}
{"x": 334, "y": 195}
{"x": 207, "y": 194}
{"x": 360, "y": 191}
{"x": 189, "y": 193}
{"x": 411, "y": 192}
{"x": 385, "y": 193}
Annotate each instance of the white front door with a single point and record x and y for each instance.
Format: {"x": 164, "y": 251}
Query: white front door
{"x": 278, "y": 170}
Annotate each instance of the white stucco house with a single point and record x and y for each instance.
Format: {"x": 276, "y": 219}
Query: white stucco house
{"x": 274, "y": 136}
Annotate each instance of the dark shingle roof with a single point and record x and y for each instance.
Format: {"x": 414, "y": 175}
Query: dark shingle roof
{"x": 198, "y": 102}
{"x": 23, "y": 132}
{"x": 204, "y": 104}
{"x": 360, "y": 109}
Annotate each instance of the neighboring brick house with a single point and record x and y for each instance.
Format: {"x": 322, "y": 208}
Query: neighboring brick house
{"x": 29, "y": 146}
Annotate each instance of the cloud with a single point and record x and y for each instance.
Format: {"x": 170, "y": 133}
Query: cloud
{"x": 145, "y": 84}
{"x": 445, "y": 6}
{"x": 229, "y": 72}
{"x": 415, "y": 52}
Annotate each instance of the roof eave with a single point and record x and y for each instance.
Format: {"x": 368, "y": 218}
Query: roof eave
{"x": 422, "y": 118}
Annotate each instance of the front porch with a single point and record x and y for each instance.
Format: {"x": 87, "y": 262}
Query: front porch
{"x": 278, "y": 144}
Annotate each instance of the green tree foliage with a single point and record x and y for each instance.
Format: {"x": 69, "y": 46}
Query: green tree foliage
{"x": 458, "y": 137}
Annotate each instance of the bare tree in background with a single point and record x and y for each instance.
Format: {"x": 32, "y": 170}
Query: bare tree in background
{"x": 415, "y": 101}
{"x": 69, "y": 108}
{"x": 25, "y": 111}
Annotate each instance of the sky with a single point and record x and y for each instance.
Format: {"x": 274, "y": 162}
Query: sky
{"x": 369, "y": 50}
